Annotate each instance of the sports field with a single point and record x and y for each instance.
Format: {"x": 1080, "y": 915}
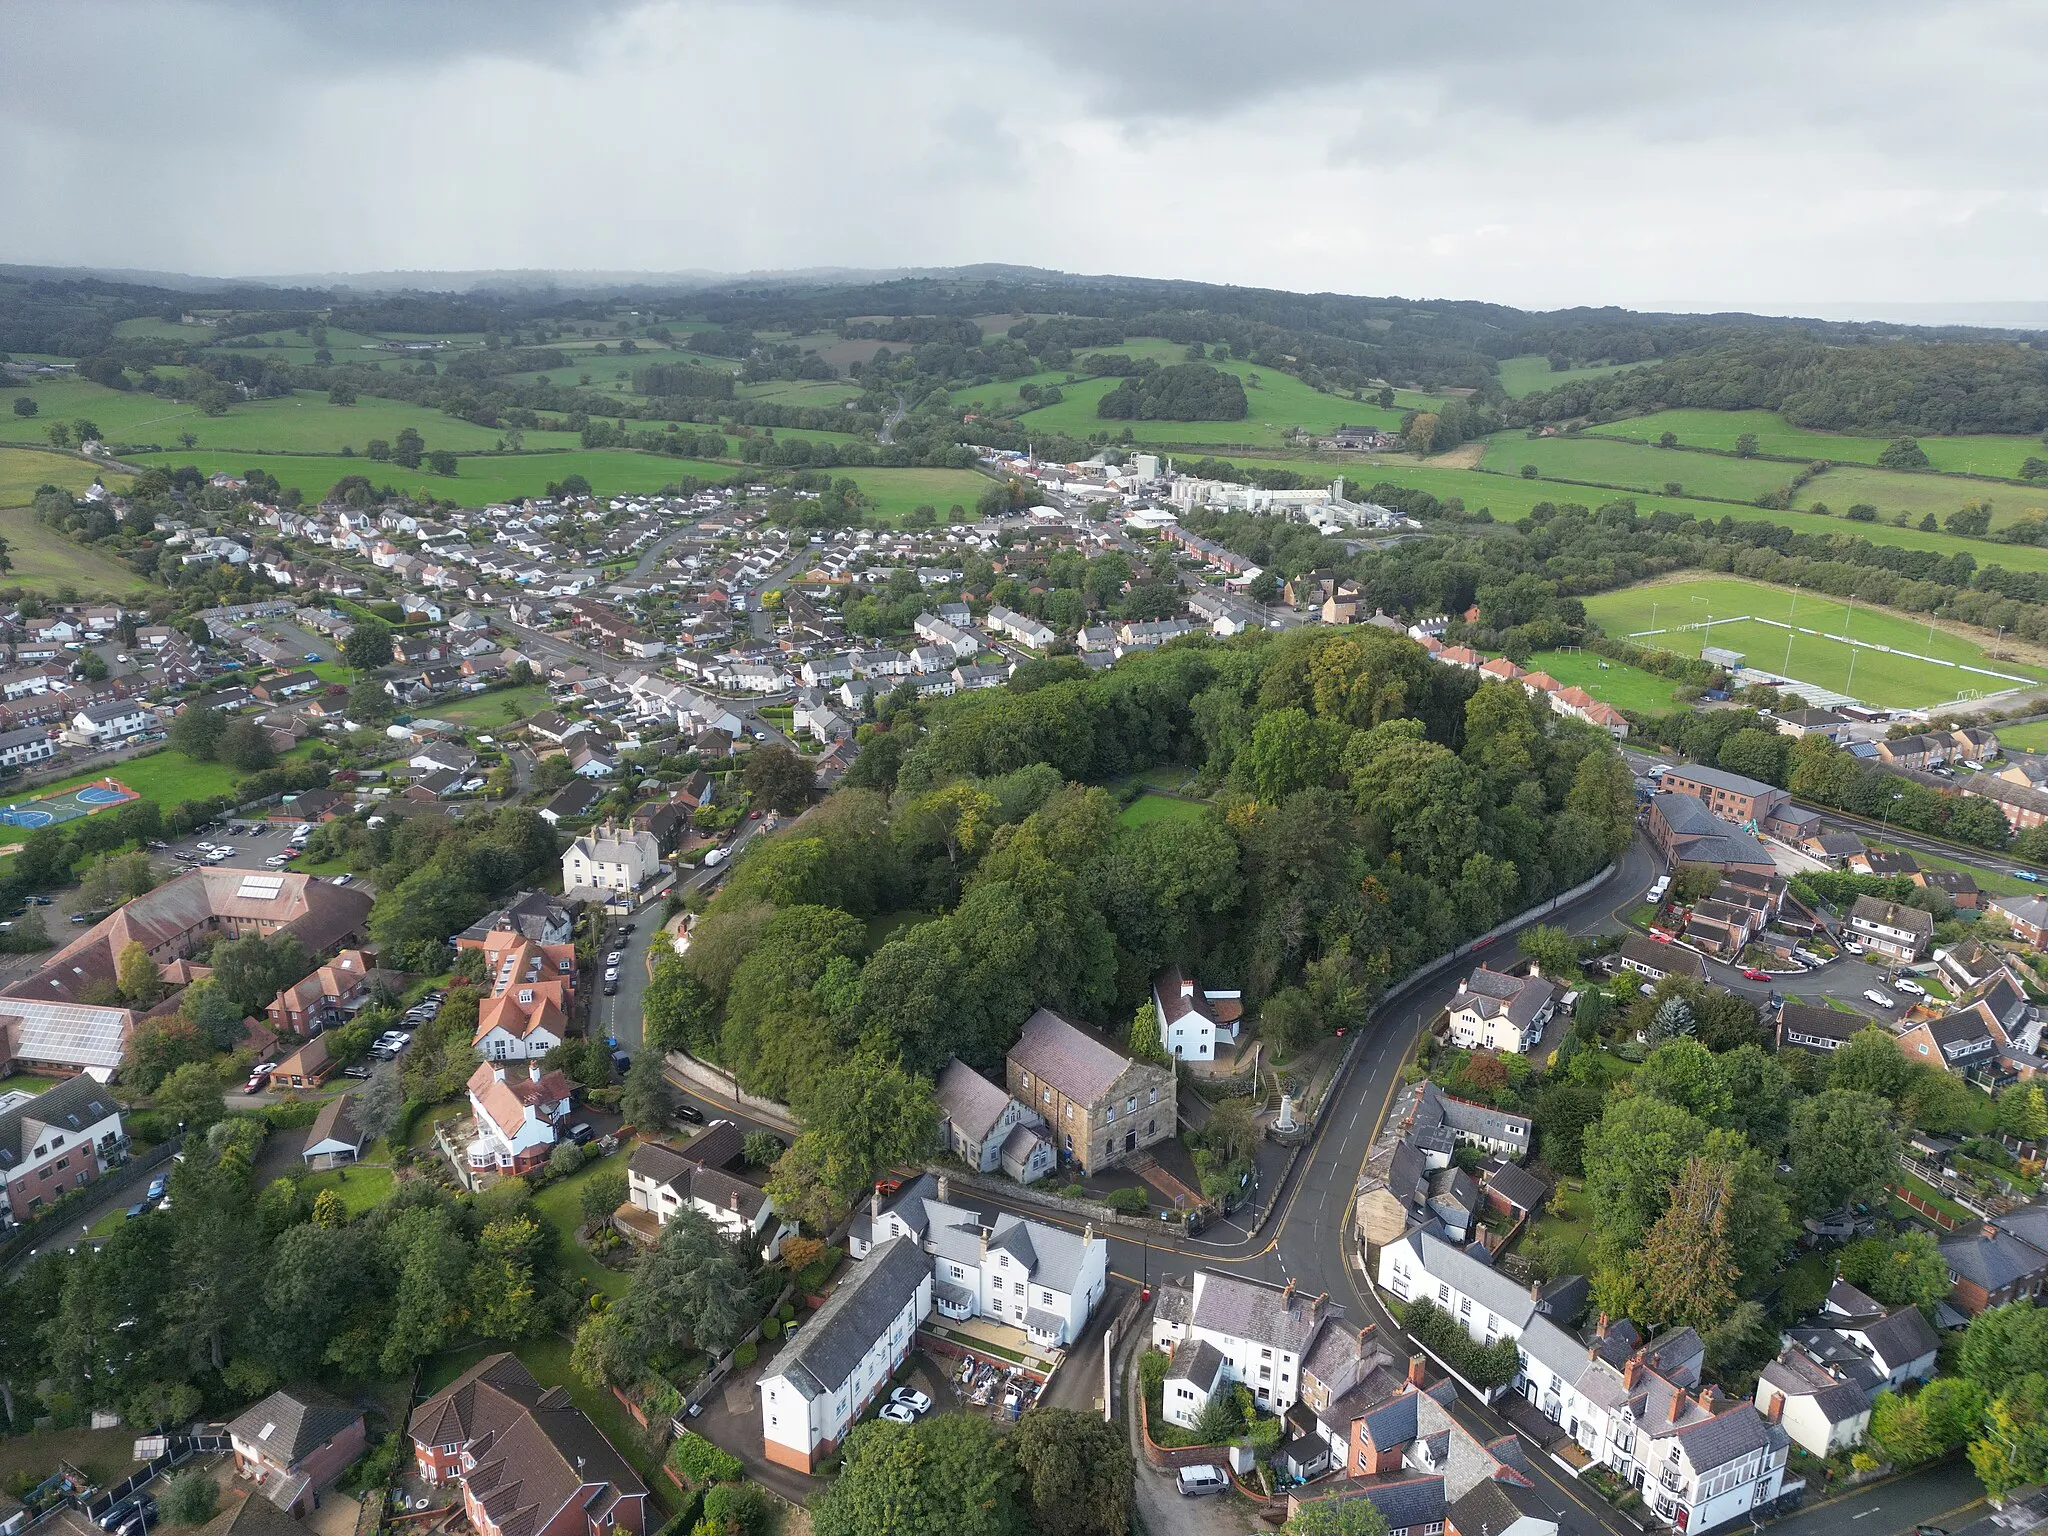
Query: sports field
{"x": 67, "y": 805}
{"x": 2031, "y": 737}
{"x": 1611, "y": 682}
{"x": 1805, "y": 636}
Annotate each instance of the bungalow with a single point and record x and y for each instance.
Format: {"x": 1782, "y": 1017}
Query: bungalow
{"x": 307, "y": 1067}
{"x": 1646, "y": 957}
{"x": 1822, "y": 1029}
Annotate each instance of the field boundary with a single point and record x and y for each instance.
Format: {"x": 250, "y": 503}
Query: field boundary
{"x": 1786, "y": 458}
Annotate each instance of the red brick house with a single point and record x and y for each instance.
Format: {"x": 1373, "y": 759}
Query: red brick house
{"x": 529, "y": 1462}
{"x": 294, "y": 1443}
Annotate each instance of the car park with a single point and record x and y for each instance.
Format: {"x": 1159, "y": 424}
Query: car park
{"x": 1879, "y": 998}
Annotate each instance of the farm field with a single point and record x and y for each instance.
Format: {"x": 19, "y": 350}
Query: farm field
{"x": 1611, "y": 682}
{"x": 497, "y": 477}
{"x": 47, "y": 560}
{"x": 1150, "y": 807}
{"x": 303, "y": 422}
{"x": 1892, "y": 491}
{"x": 1532, "y": 375}
{"x": 1280, "y": 401}
{"x": 1663, "y": 615}
{"x": 799, "y": 392}
{"x": 1975, "y": 454}
{"x": 1602, "y": 462}
{"x": 22, "y": 470}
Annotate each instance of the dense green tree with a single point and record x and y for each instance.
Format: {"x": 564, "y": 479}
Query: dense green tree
{"x": 1843, "y": 1147}
{"x": 368, "y": 646}
{"x": 1078, "y": 1472}
{"x": 1632, "y": 1158}
{"x": 947, "y": 1475}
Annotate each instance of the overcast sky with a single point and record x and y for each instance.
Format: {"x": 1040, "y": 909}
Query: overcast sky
{"x": 1846, "y": 157}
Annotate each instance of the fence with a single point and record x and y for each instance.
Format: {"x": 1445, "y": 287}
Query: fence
{"x": 177, "y": 1449}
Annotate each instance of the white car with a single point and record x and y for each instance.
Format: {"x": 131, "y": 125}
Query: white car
{"x": 615, "y": 957}
{"x": 896, "y": 1413}
{"x": 1851, "y": 947}
{"x": 344, "y": 879}
{"x": 1881, "y": 998}
{"x": 912, "y": 1399}
{"x": 276, "y": 861}
{"x": 1910, "y": 988}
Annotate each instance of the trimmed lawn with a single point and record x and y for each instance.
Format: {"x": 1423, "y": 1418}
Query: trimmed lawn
{"x": 558, "y": 1203}
{"x": 362, "y": 1188}
{"x": 45, "y": 558}
{"x": 1666, "y": 615}
{"x": 23, "y": 1083}
{"x": 165, "y": 777}
{"x": 2031, "y": 737}
{"x": 1611, "y": 682}
{"x": 489, "y": 711}
{"x": 1149, "y": 807}
{"x": 898, "y": 491}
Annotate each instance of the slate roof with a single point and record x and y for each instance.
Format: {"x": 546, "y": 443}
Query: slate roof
{"x": 291, "y": 1422}
{"x": 970, "y": 1101}
{"x": 1992, "y": 1257}
{"x": 1197, "y": 1362}
{"x": 1666, "y": 959}
{"x": 840, "y": 1333}
{"x": 69, "y": 1107}
{"x": 1793, "y": 1374}
{"x": 1901, "y": 1336}
{"x": 1245, "y": 1309}
{"x": 1072, "y": 1060}
{"x": 1889, "y": 914}
{"x": 335, "y": 1123}
{"x": 1517, "y": 1186}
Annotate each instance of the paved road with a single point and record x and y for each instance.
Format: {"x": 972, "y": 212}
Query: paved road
{"x": 1948, "y": 1496}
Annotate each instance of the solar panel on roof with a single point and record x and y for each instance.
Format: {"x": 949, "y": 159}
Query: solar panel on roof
{"x": 260, "y": 888}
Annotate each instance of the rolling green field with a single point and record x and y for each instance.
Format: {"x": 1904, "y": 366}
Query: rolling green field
{"x": 1665, "y": 616}
{"x": 2032, "y": 737}
{"x": 1611, "y": 682}
{"x": 610, "y": 471}
{"x": 46, "y": 560}
{"x": 22, "y": 470}
{"x": 897, "y": 491}
{"x": 1603, "y": 462}
{"x": 1280, "y": 401}
{"x": 1149, "y": 807}
{"x": 1977, "y": 454}
{"x": 1531, "y": 375}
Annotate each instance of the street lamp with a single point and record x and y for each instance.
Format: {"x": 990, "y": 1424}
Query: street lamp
{"x": 1895, "y": 798}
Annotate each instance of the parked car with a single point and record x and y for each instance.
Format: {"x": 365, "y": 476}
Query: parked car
{"x": 1880, "y": 998}
{"x": 611, "y": 984}
{"x": 896, "y": 1413}
{"x": 41, "y": 901}
{"x": 1851, "y": 947}
{"x": 358, "y": 1070}
{"x": 1208, "y": 1478}
{"x": 2027, "y": 875}
{"x": 614, "y": 958}
{"x": 1909, "y": 987}
{"x": 159, "y": 1185}
{"x": 691, "y": 1113}
{"x": 258, "y": 1077}
{"x": 912, "y": 1399}
{"x": 1751, "y": 973}
{"x": 580, "y": 1132}
{"x": 622, "y": 1063}
{"x": 137, "y": 1209}
{"x": 344, "y": 879}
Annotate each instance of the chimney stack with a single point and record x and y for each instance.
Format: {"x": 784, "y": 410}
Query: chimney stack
{"x": 533, "y": 1071}
{"x": 1632, "y": 1372}
{"x": 1593, "y": 1350}
{"x": 1415, "y": 1370}
{"x": 1536, "y": 1290}
{"x": 875, "y": 1204}
{"x": 1706, "y": 1399}
{"x": 1601, "y": 1331}
{"x": 1317, "y": 1309}
{"x": 1364, "y": 1334}
{"x": 945, "y": 1190}
{"x": 1287, "y": 1296}
{"x": 1678, "y": 1402}
{"x": 1776, "y": 1408}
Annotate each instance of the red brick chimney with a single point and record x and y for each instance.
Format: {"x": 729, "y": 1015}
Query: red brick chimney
{"x": 1678, "y": 1402}
{"x": 1632, "y": 1372}
{"x": 1415, "y": 1370}
{"x": 1365, "y": 1333}
{"x": 1775, "y": 1409}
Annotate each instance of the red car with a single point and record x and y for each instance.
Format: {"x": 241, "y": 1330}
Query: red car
{"x": 1753, "y": 974}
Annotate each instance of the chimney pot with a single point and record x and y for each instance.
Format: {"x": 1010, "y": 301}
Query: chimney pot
{"x": 1536, "y": 1290}
{"x": 1601, "y": 1331}
{"x": 1364, "y": 1334}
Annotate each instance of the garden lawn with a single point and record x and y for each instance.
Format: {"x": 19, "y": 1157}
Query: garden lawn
{"x": 478, "y": 479}
{"x": 46, "y": 559}
{"x": 1149, "y": 807}
{"x": 558, "y": 1203}
{"x": 1611, "y": 682}
{"x": 24, "y": 471}
{"x": 1995, "y": 882}
{"x": 1532, "y": 375}
{"x": 1973, "y": 454}
{"x": 1662, "y": 615}
{"x": 364, "y": 1188}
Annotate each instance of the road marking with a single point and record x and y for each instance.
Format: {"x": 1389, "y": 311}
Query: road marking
{"x": 1868, "y": 1512}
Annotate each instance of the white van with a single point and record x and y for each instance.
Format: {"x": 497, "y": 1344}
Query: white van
{"x": 1207, "y": 1478}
